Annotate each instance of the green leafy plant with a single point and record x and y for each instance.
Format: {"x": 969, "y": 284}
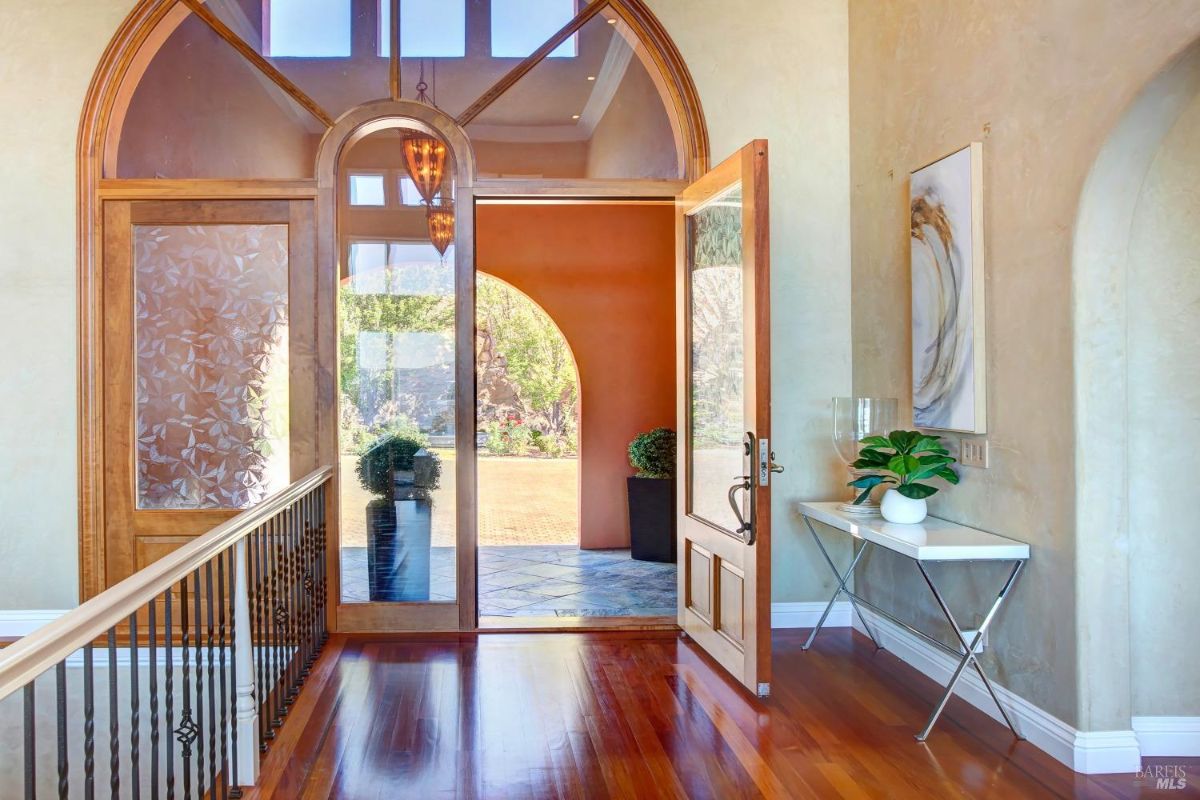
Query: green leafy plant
{"x": 904, "y": 459}
{"x": 652, "y": 453}
{"x": 389, "y": 453}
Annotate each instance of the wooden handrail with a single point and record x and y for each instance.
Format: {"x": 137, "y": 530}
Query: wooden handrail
{"x": 32, "y": 655}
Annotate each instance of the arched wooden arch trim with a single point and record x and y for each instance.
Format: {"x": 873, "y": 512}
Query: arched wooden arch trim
{"x": 125, "y": 59}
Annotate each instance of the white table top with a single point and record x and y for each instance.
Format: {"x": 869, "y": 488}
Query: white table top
{"x": 932, "y": 540}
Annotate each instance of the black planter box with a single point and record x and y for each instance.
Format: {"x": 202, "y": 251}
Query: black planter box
{"x": 652, "y": 519}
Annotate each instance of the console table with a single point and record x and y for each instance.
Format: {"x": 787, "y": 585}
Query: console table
{"x": 934, "y": 540}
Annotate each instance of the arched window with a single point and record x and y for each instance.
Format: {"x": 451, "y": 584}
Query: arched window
{"x": 226, "y": 118}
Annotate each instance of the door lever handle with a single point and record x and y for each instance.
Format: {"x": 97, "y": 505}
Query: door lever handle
{"x": 745, "y": 529}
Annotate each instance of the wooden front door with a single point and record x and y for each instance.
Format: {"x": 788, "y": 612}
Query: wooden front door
{"x": 724, "y": 416}
{"x": 209, "y": 367}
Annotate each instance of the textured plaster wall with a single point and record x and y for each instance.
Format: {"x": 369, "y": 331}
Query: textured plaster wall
{"x": 1041, "y": 84}
{"x": 1164, "y": 420}
{"x": 780, "y": 73}
{"x": 50, "y": 50}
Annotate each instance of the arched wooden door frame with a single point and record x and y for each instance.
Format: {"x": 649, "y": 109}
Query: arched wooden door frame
{"x": 124, "y": 60}
{"x": 350, "y": 128}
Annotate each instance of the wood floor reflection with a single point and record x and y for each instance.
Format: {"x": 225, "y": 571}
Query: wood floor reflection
{"x": 643, "y": 715}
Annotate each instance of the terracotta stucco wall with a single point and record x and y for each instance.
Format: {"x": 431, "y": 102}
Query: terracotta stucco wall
{"x": 606, "y": 275}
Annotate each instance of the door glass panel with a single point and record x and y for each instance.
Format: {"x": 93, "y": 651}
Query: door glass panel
{"x": 396, "y": 373}
{"x": 716, "y": 419}
{"x": 211, "y": 317}
{"x": 600, "y": 114}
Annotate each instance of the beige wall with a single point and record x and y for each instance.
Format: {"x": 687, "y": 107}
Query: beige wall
{"x": 780, "y": 73}
{"x": 1164, "y": 420}
{"x": 50, "y": 51}
{"x": 1041, "y": 85}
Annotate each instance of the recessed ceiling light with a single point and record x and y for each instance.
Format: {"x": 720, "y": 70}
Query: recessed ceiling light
{"x": 574, "y": 116}
{"x": 612, "y": 22}
{"x": 591, "y": 77}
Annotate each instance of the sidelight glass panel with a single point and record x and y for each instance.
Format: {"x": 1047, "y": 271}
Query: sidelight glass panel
{"x": 211, "y": 319}
{"x": 716, "y": 422}
{"x": 397, "y": 395}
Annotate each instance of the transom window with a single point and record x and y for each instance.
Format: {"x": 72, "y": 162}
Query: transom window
{"x": 428, "y": 28}
{"x": 521, "y": 26}
{"x": 306, "y": 28}
{"x": 367, "y": 189}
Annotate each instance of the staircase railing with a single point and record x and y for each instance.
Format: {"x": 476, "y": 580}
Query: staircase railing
{"x": 203, "y": 653}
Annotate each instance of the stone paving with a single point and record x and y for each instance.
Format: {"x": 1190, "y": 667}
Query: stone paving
{"x": 522, "y": 581}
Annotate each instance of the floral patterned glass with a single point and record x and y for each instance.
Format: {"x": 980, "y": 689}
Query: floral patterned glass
{"x": 211, "y": 311}
{"x": 717, "y": 419}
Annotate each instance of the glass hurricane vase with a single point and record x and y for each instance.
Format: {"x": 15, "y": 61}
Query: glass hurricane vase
{"x": 854, "y": 419}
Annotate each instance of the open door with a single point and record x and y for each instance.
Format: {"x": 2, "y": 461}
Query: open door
{"x": 724, "y": 416}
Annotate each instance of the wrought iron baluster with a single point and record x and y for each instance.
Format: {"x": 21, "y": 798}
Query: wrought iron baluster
{"x": 221, "y": 645}
{"x": 254, "y": 550}
{"x": 306, "y": 586}
{"x": 323, "y": 566}
{"x": 290, "y": 605}
{"x": 212, "y": 686}
{"x": 267, "y": 720}
{"x": 186, "y": 732}
{"x": 30, "y": 747}
{"x": 114, "y": 732}
{"x": 89, "y": 724}
{"x": 60, "y": 686}
{"x": 277, "y": 622}
{"x": 169, "y": 669}
{"x": 135, "y": 711}
{"x": 197, "y": 649}
{"x": 152, "y": 657}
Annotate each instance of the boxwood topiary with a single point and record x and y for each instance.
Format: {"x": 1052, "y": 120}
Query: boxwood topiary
{"x": 389, "y": 453}
{"x": 652, "y": 453}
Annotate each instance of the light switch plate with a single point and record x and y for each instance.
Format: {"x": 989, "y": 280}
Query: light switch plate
{"x": 973, "y": 453}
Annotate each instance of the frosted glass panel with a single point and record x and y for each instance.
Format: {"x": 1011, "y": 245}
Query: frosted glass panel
{"x": 716, "y": 421}
{"x": 211, "y": 311}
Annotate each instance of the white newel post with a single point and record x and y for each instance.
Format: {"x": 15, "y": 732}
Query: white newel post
{"x": 247, "y": 705}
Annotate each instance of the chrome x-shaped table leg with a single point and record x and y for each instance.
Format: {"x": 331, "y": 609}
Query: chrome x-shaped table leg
{"x": 969, "y": 649}
{"x": 841, "y": 579}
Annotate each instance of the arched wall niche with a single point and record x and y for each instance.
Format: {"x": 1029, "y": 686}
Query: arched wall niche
{"x": 1103, "y": 426}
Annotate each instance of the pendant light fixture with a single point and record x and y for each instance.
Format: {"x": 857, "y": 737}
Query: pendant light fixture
{"x": 425, "y": 155}
{"x": 440, "y": 220}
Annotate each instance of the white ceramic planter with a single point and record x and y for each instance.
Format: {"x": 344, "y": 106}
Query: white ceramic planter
{"x": 904, "y": 510}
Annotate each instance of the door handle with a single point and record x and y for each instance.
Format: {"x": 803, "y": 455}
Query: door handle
{"x": 745, "y": 529}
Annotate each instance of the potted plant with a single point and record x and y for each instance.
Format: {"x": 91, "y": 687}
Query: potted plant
{"x": 652, "y": 496}
{"x": 905, "y": 460}
{"x": 403, "y": 473}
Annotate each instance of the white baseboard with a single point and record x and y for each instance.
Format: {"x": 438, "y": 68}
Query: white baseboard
{"x": 1089, "y": 752}
{"x": 1168, "y": 736}
{"x": 806, "y": 615}
{"x": 23, "y": 623}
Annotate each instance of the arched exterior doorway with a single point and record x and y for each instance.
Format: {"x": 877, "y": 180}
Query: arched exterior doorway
{"x": 157, "y": 129}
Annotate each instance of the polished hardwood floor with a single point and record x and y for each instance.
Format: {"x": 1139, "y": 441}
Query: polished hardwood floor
{"x": 644, "y": 715}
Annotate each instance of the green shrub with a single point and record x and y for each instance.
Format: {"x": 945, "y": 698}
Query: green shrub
{"x": 389, "y": 453}
{"x": 652, "y": 454}
{"x": 508, "y": 437}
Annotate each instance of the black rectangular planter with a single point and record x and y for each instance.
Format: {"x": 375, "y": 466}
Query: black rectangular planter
{"x": 652, "y": 519}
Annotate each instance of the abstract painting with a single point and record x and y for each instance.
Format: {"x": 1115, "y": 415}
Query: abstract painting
{"x": 946, "y": 229}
